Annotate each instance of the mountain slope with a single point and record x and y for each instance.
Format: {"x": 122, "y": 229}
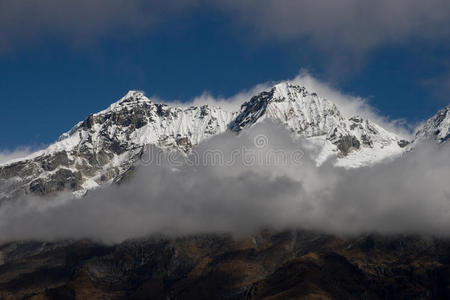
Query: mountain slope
{"x": 267, "y": 265}
{"x": 106, "y": 145}
{"x": 437, "y": 128}
{"x": 355, "y": 140}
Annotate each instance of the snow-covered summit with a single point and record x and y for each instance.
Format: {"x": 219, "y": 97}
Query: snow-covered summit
{"x": 302, "y": 112}
{"x": 135, "y": 120}
{"x": 356, "y": 141}
{"x": 105, "y": 146}
{"x": 436, "y": 128}
{"x": 132, "y": 98}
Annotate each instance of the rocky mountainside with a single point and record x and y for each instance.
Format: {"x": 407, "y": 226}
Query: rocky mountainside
{"x": 355, "y": 140}
{"x": 268, "y": 265}
{"x": 105, "y": 146}
{"x": 436, "y": 128}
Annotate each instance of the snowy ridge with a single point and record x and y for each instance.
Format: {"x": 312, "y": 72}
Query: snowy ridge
{"x": 105, "y": 147}
{"x": 135, "y": 121}
{"x": 357, "y": 142}
{"x": 302, "y": 112}
{"x": 437, "y": 128}
{"x": 375, "y": 143}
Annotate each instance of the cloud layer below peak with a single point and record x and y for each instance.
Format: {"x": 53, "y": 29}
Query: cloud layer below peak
{"x": 408, "y": 195}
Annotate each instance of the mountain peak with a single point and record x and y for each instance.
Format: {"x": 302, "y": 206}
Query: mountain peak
{"x": 132, "y": 98}
{"x": 436, "y": 128}
{"x": 106, "y": 145}
{"x": 304, "y": 113}
{"x": 285, "y": 89}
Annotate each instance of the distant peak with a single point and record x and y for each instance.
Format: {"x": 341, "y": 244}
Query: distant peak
{"x": 437, "y": 127}
{"x": 287, "y": 89}
{"x": 133, "y": 94}
{"x": 281, "y": 85}
{"x": 131, "y": 98}
{"x": 287, "y": 85}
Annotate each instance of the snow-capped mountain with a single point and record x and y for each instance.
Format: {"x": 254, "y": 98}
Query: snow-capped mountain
{"x": 355, "y": 140}
{"x": 437, "y": 128}
{"x": 105, "y": 146}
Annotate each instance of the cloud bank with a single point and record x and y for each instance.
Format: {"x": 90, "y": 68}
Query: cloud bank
{"x": 81, "y": 21}
{"x": 337, "y": 34}
{"x": 347, "y": 28}
{"x": 408, "y": 195}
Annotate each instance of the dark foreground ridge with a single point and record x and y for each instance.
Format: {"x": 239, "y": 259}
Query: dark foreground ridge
{"x": 286, "y": 265}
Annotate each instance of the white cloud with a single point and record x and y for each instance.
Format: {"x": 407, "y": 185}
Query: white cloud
{"x": 232, "y": 103}
{"x": 8, "y": 155}
{"x": 408, "y": 195}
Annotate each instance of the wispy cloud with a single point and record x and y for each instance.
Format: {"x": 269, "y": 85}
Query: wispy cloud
{"x": 9, "y": 155}
{"x": 232, "y": 103}
{"x": 351, "y": 105}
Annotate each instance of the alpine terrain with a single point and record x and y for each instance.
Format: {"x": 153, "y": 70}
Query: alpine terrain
{"x": 106, "y": 145}
{"x": 105, "y": 149}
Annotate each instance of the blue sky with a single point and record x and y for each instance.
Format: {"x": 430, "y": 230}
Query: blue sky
{"x": 59, "y": 62}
